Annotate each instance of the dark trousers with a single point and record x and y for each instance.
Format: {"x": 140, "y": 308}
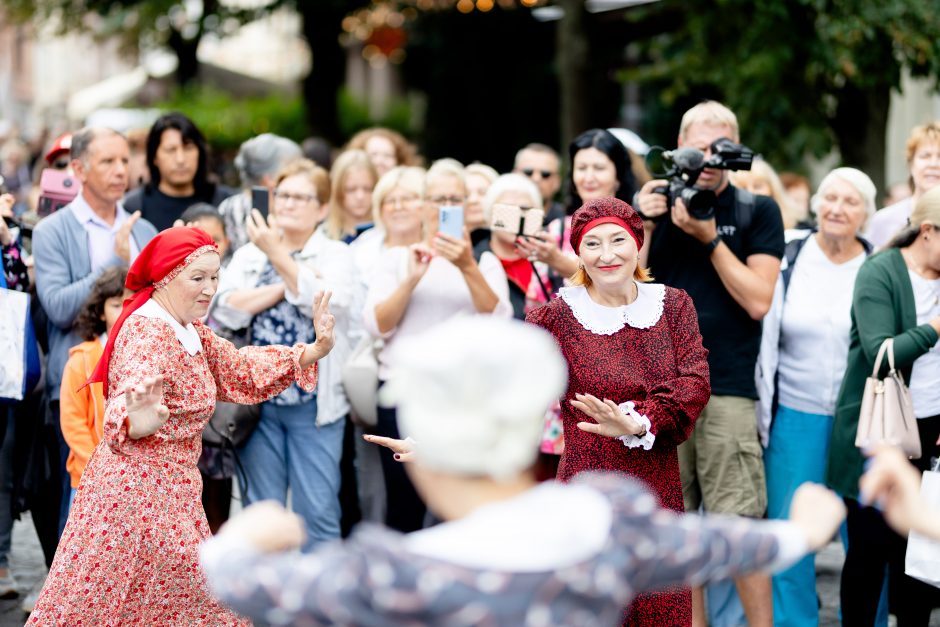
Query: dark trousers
{"x": 405, "y": 508}
{"x": 351, "y": 513}
{"x": 874, "y": 546}
{"x": 64, "y": 477}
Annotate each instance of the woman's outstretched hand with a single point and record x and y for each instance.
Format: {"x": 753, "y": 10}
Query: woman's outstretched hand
{"x": 267, "y": 527}
{"x": 403, "y": 449}
{"x": 146, "y": 412}
{"x": 609, "y": 420}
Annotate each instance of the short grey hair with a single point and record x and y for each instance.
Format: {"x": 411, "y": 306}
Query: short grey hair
{"x": 264, "y": 155}
{"x": 511, "y": 183}
{"x": 857, "y": 179}
{"x": 84, "y": 138}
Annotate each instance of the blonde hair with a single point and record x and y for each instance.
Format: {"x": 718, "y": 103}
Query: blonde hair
{"x": 926, "y": 211}
{"x": 760, "y": 169}
{"x": 923, "y": 134}
{"x": 405, "y": 152}
{"x": 446, "y": 168}
{"x": 408, "y": 177}
{"x": 710, "y": 113}
{"x": 344, "y": 164}
{"x": 481, "y": 169}
{"x": 314, "y": 173}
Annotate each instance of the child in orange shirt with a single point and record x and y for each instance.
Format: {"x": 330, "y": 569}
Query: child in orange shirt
{"x": 82, "y": 410}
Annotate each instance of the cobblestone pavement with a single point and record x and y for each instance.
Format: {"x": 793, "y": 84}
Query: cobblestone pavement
{"x": 29, "y": 569}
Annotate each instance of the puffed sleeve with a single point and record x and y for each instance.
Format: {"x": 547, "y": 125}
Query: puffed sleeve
{"x": 139, "y": 352}
{"x": 655, "y": 548}
{"x": 254, "y": 373}
{"x": 673, "y": 405}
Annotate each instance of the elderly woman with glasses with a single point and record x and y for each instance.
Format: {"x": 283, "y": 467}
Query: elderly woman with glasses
{"x": 268, "y": 287}
{"x": 412, "y": 289}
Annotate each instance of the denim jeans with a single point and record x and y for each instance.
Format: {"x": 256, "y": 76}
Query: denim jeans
{"x": 6, "y": 486}
{"x": 289, "y": 450}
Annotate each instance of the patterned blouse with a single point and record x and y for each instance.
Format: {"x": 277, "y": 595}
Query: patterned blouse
{"x": 283, "y": 323}
{"x": 381, "y": 577}
{"x": 14, "y": 269}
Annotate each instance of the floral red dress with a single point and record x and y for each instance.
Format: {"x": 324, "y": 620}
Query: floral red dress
{"x": 129, "y": 552}
{"x": 649, "y": 352}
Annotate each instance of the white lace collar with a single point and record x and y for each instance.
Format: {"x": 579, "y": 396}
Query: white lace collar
{"x": 642, "y": 313}
{"x": 188, "y": 336}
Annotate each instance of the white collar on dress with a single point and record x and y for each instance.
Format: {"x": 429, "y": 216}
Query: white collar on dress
{"x": 642, "y": 313}
{"x": 551, "y": 526}
{"x": 188, "y": 336}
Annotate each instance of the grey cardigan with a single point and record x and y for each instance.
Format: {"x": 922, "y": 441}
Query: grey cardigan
{"x": 64, "y": 280}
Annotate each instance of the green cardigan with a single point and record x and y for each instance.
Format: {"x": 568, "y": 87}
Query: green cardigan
{"x": 882, "y": 307}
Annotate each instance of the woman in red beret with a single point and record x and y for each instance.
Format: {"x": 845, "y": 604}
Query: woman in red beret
{"x": 637, "y": 371}
{"x": 129, "y": 552}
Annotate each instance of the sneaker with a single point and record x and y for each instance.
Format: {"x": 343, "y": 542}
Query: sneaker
{"x": 29, "y": 601}
{"x": 8, "y": 587}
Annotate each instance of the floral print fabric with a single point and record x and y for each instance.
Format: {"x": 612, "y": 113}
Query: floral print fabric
{"x": 129, "y": 552}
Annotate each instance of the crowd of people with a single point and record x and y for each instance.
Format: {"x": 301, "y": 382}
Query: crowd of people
{"x": 324, "y": 337}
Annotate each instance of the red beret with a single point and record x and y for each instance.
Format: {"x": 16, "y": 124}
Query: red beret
{"x": 602, "y": 211}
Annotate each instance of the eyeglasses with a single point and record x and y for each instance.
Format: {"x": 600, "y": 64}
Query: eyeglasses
{"x": 543, "y": 173}
{"x": 400, "y": 202}
{"x": 299, "y": 198}
{"x": 447, "y": 200}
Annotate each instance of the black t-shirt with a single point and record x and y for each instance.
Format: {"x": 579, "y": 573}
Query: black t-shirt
{"x": 731, "y": 336}
{"x": 162, "y": 210}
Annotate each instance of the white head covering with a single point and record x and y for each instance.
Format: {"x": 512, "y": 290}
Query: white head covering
{"x": 473, "y": 393}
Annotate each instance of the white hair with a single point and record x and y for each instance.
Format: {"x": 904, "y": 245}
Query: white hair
{"x": 857, "y": 179}
{"x": 510, "y": 183}
{"x": 473, "y": 392}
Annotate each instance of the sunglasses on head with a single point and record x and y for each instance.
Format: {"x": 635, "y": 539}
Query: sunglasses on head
{"x": 543, "y": 173}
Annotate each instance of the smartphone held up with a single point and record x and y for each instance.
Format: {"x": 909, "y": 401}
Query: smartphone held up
{"x": 450, "y": 221}
{"x": 260, "y": 198}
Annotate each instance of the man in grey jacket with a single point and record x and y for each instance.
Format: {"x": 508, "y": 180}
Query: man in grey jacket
{"x": 72, "y": 247}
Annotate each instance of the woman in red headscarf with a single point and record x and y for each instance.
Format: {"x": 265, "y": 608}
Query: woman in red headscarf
{"x": 637, "y": 371}
{"x": 129, "y": 552}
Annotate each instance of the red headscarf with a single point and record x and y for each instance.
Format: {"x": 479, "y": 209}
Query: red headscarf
{"x": 157, "y": 264}
{"x": 602, "y": 211}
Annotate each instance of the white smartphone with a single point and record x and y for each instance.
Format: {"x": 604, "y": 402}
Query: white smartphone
{"x": 450, "y": 220}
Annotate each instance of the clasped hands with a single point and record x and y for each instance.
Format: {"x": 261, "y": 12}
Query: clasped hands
{"x": 609, "y": 420}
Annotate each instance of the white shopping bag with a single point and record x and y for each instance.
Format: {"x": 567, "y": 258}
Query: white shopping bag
{"x": 14, "y": 309}
{"x": 923, "y": 554}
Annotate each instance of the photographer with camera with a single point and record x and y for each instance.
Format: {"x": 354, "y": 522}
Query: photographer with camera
{"x": 723, "y": 246}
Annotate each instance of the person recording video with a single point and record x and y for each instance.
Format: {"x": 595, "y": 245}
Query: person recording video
{"x": 728, "y": 263}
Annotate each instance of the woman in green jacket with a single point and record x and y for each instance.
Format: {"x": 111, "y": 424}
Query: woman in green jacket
{"x": 897, "y": 295}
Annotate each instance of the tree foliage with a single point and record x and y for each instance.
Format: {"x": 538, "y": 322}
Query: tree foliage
{"x": 804, "y": 76}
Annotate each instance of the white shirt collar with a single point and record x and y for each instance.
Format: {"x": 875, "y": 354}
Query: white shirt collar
{"x": 84, "y": 213}
{"x": 188, "y": 336}
{"x": 549, "y": 527}
{"x": 642, "y": 313}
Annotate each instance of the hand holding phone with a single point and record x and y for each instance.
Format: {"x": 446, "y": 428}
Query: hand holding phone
{"x": 260, "y": 198}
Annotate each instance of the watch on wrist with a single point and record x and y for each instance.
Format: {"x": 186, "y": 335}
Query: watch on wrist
{"x": 712, "y": 245}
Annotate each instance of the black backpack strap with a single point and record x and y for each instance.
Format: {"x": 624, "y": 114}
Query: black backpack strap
{"x": 790, "y": 252}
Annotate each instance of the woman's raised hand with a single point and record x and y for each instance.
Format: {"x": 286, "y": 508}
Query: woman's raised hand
{"x": 267, "y": 527}
{"x": 146, "y": 412}
{"x": 609, "y": 420}
{"x": 261, "y": 233}
{"x": 457, "y": 251}
{"x": 323, "y": 322}
{"x": 419, "y": 259}
{"x": 818, "y": 512}
{"x": 403, "y": 449}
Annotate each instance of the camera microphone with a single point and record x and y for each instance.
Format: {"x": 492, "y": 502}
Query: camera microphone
{"x": 688, "y": 159}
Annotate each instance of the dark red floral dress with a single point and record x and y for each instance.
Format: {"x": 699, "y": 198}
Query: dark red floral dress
{"x": 663, "y": 370}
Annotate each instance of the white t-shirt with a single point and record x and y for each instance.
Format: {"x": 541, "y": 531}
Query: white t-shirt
{"x": 814, "y": 331}
{"x": 925, "y": 376}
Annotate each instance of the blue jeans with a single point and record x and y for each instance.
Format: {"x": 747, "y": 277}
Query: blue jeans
{"x": 797, "y": 453}
{"x": 289, "y": 450}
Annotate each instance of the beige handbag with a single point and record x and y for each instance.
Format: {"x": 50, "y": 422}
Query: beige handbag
{"x": 887, "y": 413}
{"x": 360, "y": 377}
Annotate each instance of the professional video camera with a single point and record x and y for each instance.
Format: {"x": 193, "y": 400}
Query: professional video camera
{"x": 684, "y": 165}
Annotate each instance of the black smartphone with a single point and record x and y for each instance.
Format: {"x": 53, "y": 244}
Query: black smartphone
{"x": 259, "y": 200}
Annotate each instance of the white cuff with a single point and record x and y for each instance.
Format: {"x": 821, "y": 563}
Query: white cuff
{"x": 632, "y": 441}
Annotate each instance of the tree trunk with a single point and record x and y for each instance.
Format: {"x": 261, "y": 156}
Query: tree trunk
{"x": 572, "y": 60}
{"x": 860, "y": 126}
{"x": 321, "y": 28}
{"x": 187, "y": 68}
